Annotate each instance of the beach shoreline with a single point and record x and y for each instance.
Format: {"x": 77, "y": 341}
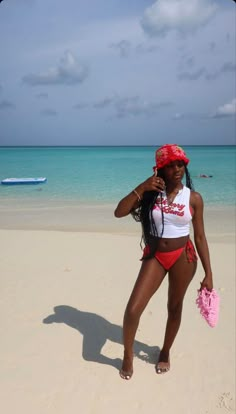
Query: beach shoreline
{"x": 72, "y": 217}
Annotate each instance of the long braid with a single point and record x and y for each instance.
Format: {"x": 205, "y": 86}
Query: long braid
{"x": 189, "y": 182}
{"x": 143, "y": 214}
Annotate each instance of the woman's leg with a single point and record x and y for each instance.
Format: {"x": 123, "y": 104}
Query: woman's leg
{"x": 180, "y": 276}
{"x": 149, "y": 279}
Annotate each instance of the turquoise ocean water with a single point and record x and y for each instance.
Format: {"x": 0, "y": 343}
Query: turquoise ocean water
{"x": 103, "y": 175}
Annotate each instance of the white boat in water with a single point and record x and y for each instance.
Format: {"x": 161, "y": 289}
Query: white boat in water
{"x": 14, "y": 181}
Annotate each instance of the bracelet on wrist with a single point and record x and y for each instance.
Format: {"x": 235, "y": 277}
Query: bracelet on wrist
{"x": 137, "y": 194}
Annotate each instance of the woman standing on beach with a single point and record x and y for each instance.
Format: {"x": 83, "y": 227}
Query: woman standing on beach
{"x": 165, "y": 207}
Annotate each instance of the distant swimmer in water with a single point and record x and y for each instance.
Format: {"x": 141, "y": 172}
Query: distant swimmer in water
{"x": 204, "y": 176}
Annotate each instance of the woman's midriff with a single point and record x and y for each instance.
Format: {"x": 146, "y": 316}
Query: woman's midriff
{"x": 167, "y": 245}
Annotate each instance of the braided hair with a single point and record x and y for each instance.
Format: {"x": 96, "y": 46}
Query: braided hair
{"x": 143, "y": 214}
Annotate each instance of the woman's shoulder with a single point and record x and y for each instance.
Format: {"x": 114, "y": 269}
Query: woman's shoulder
{"x": 195, "y": 198}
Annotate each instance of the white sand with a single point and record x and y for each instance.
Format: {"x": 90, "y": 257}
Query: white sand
{"x": 63, "y": 295}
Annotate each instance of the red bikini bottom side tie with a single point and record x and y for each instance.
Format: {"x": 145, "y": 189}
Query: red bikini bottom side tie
{"x": 168, "y": 259}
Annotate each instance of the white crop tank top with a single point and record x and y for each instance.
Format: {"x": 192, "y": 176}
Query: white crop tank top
{"x": 177, "y": 215}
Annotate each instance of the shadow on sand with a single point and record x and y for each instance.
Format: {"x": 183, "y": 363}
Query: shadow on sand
{"x": 96, "y": 330}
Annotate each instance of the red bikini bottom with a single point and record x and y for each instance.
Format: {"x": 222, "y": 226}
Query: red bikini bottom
{"x": 168, "y": 259}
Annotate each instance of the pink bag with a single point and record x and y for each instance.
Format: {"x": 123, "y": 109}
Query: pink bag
{"x": 208, "y": 301}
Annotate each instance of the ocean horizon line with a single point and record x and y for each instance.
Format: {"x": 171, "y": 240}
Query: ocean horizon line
{"x": 102, "y": 173}
{"x": 113, "y": 146}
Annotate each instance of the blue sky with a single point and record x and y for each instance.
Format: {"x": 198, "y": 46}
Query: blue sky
{"x": 115, "y": 72}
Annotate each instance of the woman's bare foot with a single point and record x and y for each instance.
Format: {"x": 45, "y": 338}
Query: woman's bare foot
{"x": 163, "y": 364}
{"x": 126, "y": 371}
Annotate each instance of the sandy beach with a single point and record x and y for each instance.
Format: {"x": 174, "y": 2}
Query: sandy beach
{"x": 63, "y": 294}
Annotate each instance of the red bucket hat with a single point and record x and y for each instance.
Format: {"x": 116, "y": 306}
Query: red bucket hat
{"x": 168, "y": 153}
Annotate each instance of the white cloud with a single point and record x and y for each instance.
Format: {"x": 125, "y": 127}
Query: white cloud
{"x": 226, "y": 110}
{"x": 123, "y": 47}
{"x": 68, "y": 72}
{"x": 103, "y": 103}
{"x": 192, "y": 76}
{"x": 226, "y": 68}
{"x": 129, "y": 106}
{"x": 179, "y": 15}
{"x": 143, "y": 48}
{"x": 189, "y": 116}
{"x": 134, "y": 106}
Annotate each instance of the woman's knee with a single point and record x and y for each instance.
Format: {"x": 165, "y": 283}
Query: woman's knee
{"x": 175, "y": 310}
{"x": 132, "y": 312}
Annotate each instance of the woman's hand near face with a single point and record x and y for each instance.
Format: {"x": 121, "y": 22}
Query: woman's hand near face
{"x": 132, "y": 200}
{"x": 153, "y": 183}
